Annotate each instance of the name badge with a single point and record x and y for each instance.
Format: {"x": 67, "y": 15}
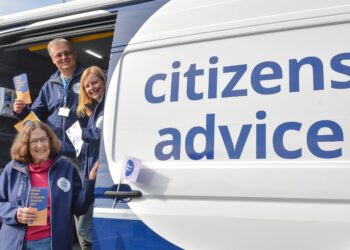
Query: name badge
{"x": 64, "y": 111}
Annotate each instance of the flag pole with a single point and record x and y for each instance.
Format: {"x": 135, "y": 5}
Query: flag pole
{"x": 120, "y": 181}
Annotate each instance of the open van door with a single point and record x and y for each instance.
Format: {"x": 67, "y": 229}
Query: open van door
{"x": 237, "y": 111}
{"x": 23, "y": 40}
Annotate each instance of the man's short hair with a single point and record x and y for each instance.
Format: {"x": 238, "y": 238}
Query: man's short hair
{"x": 57, "y": 41}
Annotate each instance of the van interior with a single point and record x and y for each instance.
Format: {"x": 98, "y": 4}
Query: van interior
{"x": 23, "y": 54}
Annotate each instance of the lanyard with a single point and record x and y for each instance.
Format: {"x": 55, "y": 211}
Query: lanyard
{"x": 65, "y": 87}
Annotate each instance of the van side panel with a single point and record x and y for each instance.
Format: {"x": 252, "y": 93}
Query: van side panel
{"x": 241, "y": 126}
{"x": 129, "y": 21}
{"x": 119, "y": 228}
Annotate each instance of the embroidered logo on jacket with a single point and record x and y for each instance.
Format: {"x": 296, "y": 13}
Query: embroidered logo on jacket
{"x": 99, "y": 122}
{"x": 76, "y": 88}
{"x": 63, "y": 184}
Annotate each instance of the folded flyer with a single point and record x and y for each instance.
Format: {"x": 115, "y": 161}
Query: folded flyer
{"x": 74, "y": 133}
{"x": 30, "y": 117}
{"x": 39, "y": 201}
{"x": 22, "y": 88}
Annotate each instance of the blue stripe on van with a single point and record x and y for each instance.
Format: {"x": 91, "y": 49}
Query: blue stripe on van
{"x": 120, "y": 234}
{"x": 116, "y": 233}
{"x": 129, "y": 20}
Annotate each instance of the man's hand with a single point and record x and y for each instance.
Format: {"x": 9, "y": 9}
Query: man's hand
{"x": 26, "y": 214}
{"x": 18, "y": 106}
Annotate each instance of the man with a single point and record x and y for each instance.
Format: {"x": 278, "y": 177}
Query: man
{"x": 56, "y": 105}
{"x": 58, "y": 98}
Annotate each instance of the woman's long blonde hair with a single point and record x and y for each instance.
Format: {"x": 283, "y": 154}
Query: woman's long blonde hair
{"x": 84, "y": 99}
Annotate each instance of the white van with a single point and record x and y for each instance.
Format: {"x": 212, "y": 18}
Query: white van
{"x": 237, "y": 110}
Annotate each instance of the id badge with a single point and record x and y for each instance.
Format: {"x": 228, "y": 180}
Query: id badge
{"x": 64, "y": 111}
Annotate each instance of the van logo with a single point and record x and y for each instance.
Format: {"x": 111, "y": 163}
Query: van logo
{"x": 129, "y": 168}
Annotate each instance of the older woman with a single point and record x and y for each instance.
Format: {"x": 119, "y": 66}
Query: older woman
{"x": 35, "y": 163}
{"x": 91, "y": 101}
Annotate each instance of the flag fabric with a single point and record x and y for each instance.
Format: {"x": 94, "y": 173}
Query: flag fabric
{"x": 131, "y": 168}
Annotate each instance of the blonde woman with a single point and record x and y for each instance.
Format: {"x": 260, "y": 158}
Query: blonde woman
{"x": 91, "y": 101}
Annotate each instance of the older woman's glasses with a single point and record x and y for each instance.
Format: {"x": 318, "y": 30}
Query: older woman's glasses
{"x": 42, "y": 140}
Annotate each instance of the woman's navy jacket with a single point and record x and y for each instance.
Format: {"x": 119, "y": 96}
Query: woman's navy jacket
{"x": 68, "y": 197}
{"x": 91, "y": 136}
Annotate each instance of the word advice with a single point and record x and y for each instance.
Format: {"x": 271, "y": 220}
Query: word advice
{"x": 234, "y": 149}
{"x": 194, "y": 83}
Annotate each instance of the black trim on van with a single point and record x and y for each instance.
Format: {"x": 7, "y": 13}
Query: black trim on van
{"x": 45, "y": 33}
{"x": 110, "y": 6}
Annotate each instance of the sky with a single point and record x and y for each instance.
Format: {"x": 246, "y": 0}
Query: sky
{"x": 13, "y": 6}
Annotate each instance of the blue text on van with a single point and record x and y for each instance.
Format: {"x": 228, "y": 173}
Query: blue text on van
{"x": 236, "y": 72}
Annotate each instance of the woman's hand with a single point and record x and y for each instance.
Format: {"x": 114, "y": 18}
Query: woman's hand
{"x": 93, "y": 172}
{"x": 26, "y": 214}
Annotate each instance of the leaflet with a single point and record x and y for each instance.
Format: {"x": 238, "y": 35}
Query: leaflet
{"x": 39, "y": 201}
{"x": 74, "y": 134}
{"x": 30, "y": 117}
{"x": 22, "y": 88}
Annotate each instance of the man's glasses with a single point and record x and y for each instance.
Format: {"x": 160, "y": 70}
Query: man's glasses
{"x": 42, "y": 140}
{"x": 66, "y": 53}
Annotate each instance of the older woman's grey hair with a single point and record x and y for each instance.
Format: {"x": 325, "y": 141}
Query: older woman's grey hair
{"x": 20, "y": 146}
